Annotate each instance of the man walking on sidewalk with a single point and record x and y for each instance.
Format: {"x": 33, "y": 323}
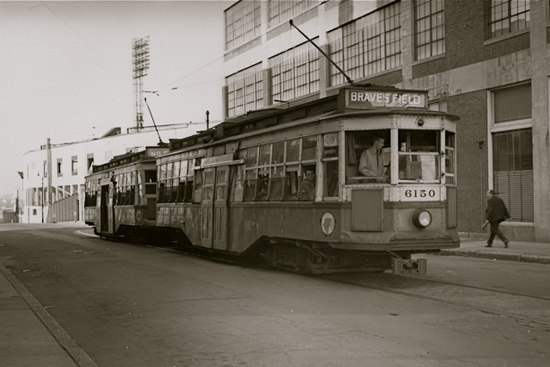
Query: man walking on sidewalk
{"x": 495, "y": 213}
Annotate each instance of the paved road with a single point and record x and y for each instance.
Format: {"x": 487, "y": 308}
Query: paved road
{"x": 131, "y": 305}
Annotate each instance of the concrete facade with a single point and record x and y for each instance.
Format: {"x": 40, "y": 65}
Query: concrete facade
{"x": 464, "y": 79}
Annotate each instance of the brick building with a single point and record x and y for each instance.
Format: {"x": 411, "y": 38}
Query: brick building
{"x": 483, "y": 60}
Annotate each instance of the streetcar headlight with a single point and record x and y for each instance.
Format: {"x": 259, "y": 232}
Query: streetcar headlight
{"x": 422, "y": 218}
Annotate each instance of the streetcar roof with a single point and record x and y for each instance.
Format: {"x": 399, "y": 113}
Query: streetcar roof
{"x": 355, "y": 100}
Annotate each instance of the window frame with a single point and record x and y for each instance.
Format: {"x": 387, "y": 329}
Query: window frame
{"x": 430, "y": 40}
{"x": 503, "y": 127}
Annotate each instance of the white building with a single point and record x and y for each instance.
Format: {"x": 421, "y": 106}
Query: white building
{"x": 54, "y": 175}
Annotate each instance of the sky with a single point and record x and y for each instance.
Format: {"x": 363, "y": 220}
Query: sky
{"x": 66, "y": 70}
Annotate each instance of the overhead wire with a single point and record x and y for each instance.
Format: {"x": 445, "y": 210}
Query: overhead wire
{"x": 79, "y": 36}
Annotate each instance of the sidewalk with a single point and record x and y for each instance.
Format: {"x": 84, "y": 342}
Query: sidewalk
{"x": 30, "y": 335}
{"x": 532, "y": 252}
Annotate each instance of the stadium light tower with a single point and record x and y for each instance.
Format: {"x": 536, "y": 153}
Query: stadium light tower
{"x": 140, "y": 52}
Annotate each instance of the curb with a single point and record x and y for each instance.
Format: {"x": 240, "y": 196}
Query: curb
{"x": 66, "y": 342}
{"x": 507, "y": 256}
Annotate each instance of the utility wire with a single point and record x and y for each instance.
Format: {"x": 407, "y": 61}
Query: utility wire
{"x": 79, "y": 36}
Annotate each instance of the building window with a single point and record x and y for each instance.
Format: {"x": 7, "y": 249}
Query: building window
{"x": 74, "y": 165}
{"x": 429, "y": 28}
{"x": 513, "y": 151}
{"x": 512, "y": 104}
{"x": 366, "y": 46}
{"x": 513, "y": 172}
{"x": 242, "y": 23}
{"x": 244, "y": 91}
{"x": 59, "y": 167}
{"x": 295, "y": 73}
{"x": 508, "y": 16}
{"x": 282, "y": 10}
{"x": 90, "y": 162}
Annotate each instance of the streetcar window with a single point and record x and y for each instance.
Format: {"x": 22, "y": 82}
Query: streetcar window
{"x": 309, "y": 148}
{"x": 250, "y": 185}
{"x": 367, "y": 156}
{"x": 330, "y": 145}
{"x": 132, "y": 188}
{"x": 276, "y": 183}
{"x": 150, "y": 176}
{"x": 175, "y": 181}
{"x": 263, "y": 185}
{"x": 291, "y": 183}
{"x": 331, "y": 179}
{"x": 238, "y": 191}
{"x": 160, "y": 198}
{"x": 306, "y": 187}
{"x": 293, "y": 150}
{"x": 278, "y": 152}
{"x": 139, "y": 188}
{"x": 198, "y": 187}
{"x": 188, "y": 197}
{"x": 265, "y": 155}
{"x": 207, "y": 184}
{"x": 251, "y": 159}
{"x": 450, "y": 158}
{"x": 419, "y": 155}
{"x": 221, "y": 181}
{"x": 167, "y": 190}
{"x": 150, "y": 182}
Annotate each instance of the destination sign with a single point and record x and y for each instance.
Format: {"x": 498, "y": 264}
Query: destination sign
{"x": 367, "y": 99}
{"x": 156, "y": 152}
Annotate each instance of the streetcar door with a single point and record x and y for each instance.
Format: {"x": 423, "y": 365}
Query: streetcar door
{"x": 219, "y": 229}
{"x": 214, "y": 208}
{"x": 104, "y": 209}
{"x": 207, "y": 207}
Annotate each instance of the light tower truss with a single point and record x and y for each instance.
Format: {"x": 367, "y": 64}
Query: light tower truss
{"x": 140, "y": 53}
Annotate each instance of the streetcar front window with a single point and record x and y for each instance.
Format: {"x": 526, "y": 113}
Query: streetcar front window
{"x": 368, "y": 156}
{"x": 419, "y": 156}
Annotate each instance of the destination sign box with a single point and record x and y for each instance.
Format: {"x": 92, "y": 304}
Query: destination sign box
{"x": 369, "y": 99}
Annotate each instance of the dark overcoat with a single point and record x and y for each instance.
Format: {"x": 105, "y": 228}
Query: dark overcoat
{"x": 496, "y": 210}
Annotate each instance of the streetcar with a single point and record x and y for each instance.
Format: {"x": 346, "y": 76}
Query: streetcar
{"x": 121, "y": 195}
{"x": 245, "y": 186}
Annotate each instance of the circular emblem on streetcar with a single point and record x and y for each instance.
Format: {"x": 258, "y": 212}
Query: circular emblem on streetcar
{"x": 328, "y": 223}
{"x": 139, "y": 215}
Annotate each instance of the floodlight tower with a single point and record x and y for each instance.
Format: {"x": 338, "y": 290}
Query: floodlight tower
{"x": 140, "y": 52}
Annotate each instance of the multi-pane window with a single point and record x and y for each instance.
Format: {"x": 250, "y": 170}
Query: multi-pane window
{"x": 283, "y": 170}
{"x": 513, "y": 151}
{"x": 92, "y": 190}
{"x": 125, "y": 189}
{"x": 242, "y": 23}
{"x": 282, "y": 10}
{"x": 175, "y": 181}
{"x": 366, "y": 46}
{"x": 429, "y": 28}
{"x": 508, "y": 16}
{"x": 295, "y": 73}
{"x": 513, "y": 172}
{"x": 244, "y": 91}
